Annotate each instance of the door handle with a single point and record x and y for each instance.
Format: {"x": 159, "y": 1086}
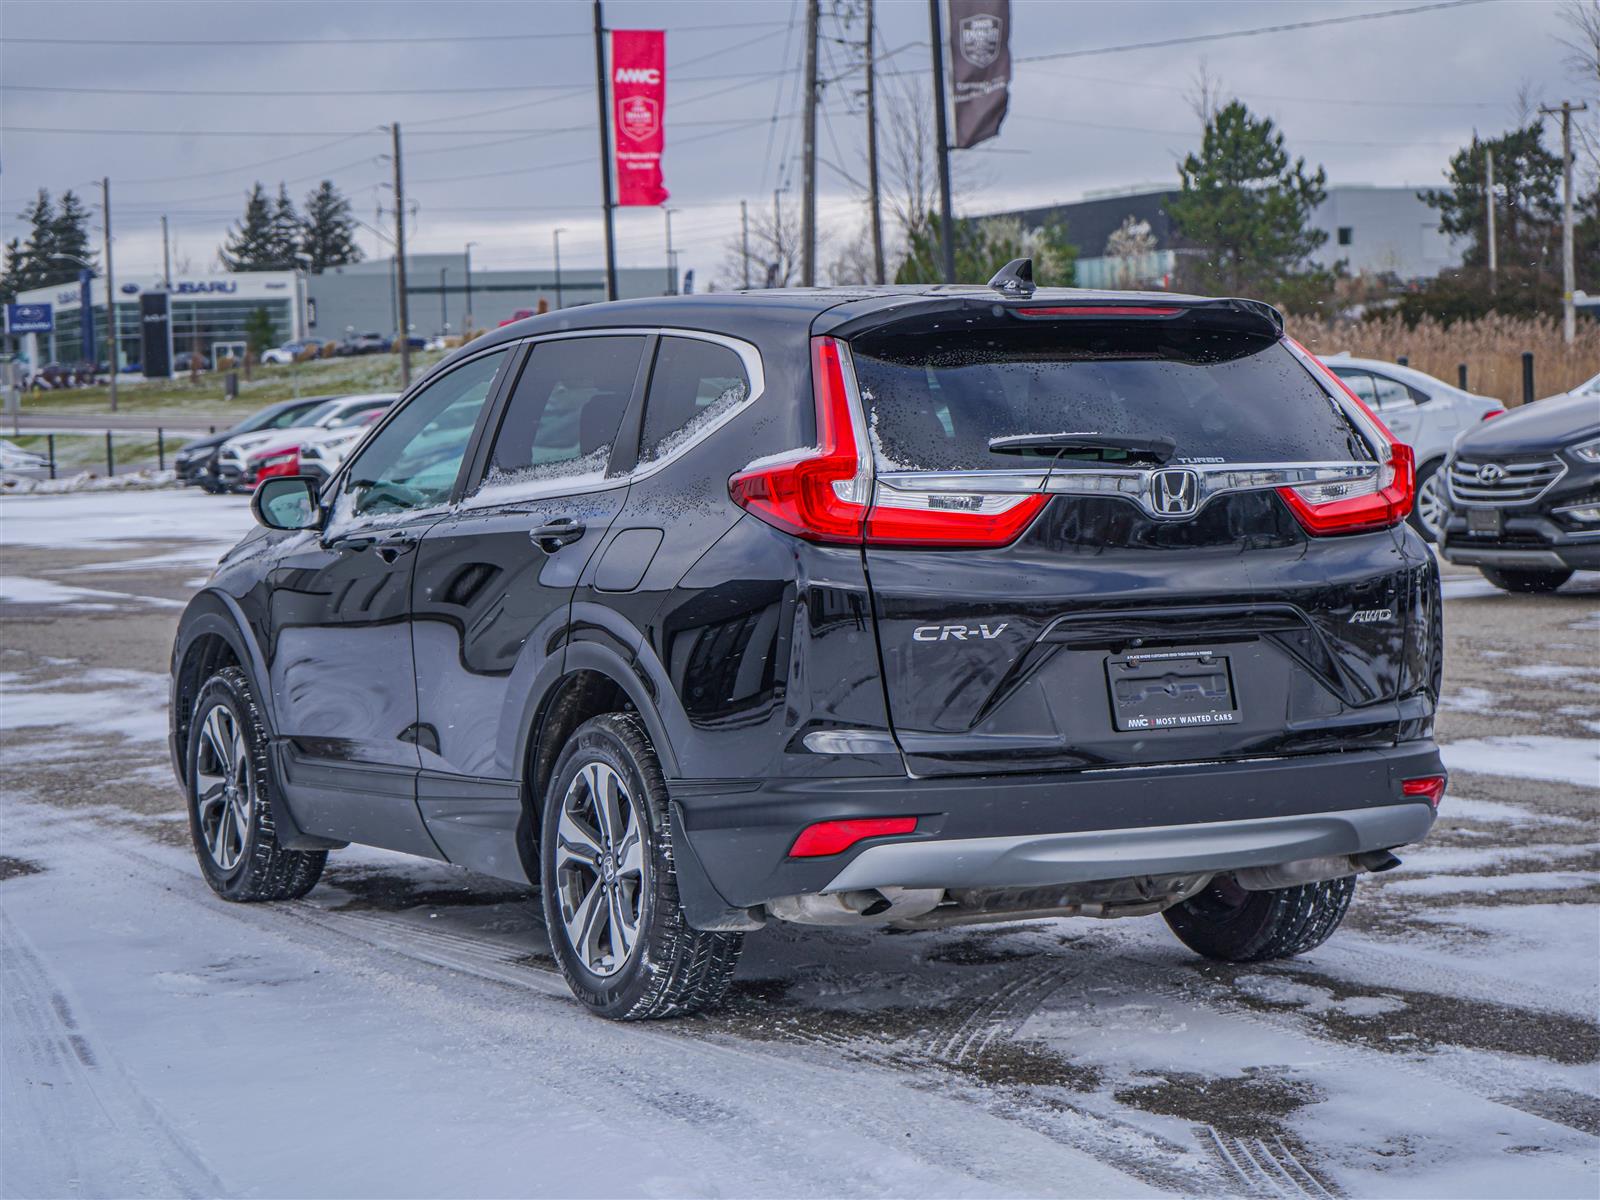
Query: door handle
{"x": 389, "y": 551}
{"x": 553, "y": 535}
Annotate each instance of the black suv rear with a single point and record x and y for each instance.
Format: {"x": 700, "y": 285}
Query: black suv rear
{"x": 880, "y": 606}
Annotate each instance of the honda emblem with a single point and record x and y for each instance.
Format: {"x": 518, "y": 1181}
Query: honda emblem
{"x": 1174, "y": 492}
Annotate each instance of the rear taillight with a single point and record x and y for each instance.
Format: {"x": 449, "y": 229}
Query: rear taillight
{"x": 835, "y": 837}
{"x": 1384, "y": 500}
{"x": 285, "y": 462}
{"x": 1426, "y": 787}
{"x": 828, "y": 494}
{"x": 1493, "y": 412}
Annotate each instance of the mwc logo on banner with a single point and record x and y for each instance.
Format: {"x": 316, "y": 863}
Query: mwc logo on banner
{"x": 639, "y": 98}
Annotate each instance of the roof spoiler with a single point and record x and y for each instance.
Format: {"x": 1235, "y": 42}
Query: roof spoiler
{"x": 1236, "y": 314}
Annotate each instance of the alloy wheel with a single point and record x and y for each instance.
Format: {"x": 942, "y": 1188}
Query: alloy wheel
{"x": 601, "y": 875}
{"x": 224, "y": 788}
{"x": 1431, "y": 505}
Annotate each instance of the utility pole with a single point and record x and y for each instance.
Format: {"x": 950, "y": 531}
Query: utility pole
{"x": 873, "y": 204}
{"x": 744, "y": 241}
{"x": 166, "y": 256}
{"x": 555, "y": 236}
{"x": 808, "y": 211}
{"x": 602, "y": 99}
{"x": 444, "y": 311}
{"x": 404, "y": 316}
{"x": 1488, "y": 204}
{"x": 111, "y": 290}
{"x": 1569, "y": 282}
{"x": 947, "y": 244}
{"x": 466, "y": 324}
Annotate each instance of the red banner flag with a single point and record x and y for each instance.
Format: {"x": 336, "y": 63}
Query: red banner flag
{"x": 638, "y": 102}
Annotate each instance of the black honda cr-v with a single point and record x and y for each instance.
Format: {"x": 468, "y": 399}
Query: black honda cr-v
{"x": 894, "y": 606}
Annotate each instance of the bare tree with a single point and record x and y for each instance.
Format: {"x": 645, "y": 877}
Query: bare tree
{"x": 1582, "y": 18}
{"x": 854, "y": 262}
{"x": 1206, "y": 93}
{"x": 774, "y": 250}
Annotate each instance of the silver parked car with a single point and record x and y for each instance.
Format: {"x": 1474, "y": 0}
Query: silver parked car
{"x": 1427, "y": 414}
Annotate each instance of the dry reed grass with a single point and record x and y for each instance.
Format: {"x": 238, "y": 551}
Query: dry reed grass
{"x": 1491, "y": 347}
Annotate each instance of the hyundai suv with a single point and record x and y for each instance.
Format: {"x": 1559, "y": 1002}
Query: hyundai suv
{"x": 884, "y": 606}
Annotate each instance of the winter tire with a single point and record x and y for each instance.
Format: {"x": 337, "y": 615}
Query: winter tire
{"x": 230, "y": 811}
{"x": 1228, "y": 923}
{"x": 1428, "y": 514}
{"x": 1509, "y": 579}
{"x": 610, "y": 888}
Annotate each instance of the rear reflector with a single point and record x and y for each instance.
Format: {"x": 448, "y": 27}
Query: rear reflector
{"x": 1325, "y": 509}
{"x": 835, "y": 837}
{"x": 827, "y": 494}
{"x": 1429, "y": 787}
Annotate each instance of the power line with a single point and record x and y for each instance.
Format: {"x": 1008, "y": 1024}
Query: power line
{"x": 233, "y": 43}
{"x": 1257, "y": 31}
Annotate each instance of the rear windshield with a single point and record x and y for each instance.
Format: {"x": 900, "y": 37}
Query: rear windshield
{"x": 935, "y": 398}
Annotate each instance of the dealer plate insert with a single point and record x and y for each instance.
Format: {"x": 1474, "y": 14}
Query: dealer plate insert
{"x": 1170, "y": 689}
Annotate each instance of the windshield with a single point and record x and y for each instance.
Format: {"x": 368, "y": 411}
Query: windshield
{"x": 935, "y": 399}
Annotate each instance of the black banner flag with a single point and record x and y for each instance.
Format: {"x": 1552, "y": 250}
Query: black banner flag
{"x": 980, "y": 67}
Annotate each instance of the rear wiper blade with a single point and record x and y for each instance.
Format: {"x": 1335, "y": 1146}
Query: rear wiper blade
{"x": 1152, "y": 448}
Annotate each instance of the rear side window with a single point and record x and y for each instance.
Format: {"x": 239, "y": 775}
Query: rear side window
{"x": 693, "y": 384}
{"x": 563, "y": 414}
{"x": 934, "y": 399}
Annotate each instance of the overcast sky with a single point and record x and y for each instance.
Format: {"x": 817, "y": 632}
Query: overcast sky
{"x": 510, "y": 153}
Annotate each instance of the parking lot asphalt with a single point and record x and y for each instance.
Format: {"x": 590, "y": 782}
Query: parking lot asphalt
{"x": 1444, "y": 1042}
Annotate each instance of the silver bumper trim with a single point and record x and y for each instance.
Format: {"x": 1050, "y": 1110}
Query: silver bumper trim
{"x": 1044, "y": 859}
{"x": 1489, "y": 556}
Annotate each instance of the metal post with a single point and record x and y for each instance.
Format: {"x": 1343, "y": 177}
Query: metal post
{"x": 744, "y": 241}
{"x": 444, "y": 313}
{"x": 404, "y": 319}
{"x": 555, "y": 236}
{"x": 1403, "y": 360}
{"x": 466, "y": 324}
{"x": 166, "y": 256}
{"x": 1488, "y": 202}
{"x": 808, "y": 160}
{"x": 672, "y": 262}
{"x": 1527, "y": 376}
{"x": 111, "y": 458}
{"x": 947, "y": 245}
{"x": 1569, "y": 283}
{"x": 161, "y": 450}
{"x": 111, "y": 291}
{"x": 602, "y": 99}
{"x": 1461, "y": 376}
{"x": 874, "y": 206}
{"x": 50, "y": 444}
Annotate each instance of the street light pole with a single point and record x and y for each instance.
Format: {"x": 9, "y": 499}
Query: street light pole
{"x": 555, "y": 236}
{"x": 111, "y": 290}
{"x": 466, "y": 325}
{"x": 672, "y": 262}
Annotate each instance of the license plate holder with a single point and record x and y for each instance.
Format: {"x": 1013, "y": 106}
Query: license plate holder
{"x": 1170, "y": 689}
{"x": 1484, "y": 522}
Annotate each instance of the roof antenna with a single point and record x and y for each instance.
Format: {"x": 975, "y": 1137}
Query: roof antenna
{"x": 1015, "y": 278}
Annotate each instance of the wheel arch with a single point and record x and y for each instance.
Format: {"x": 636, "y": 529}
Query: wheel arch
{"x": 211, "y": 635}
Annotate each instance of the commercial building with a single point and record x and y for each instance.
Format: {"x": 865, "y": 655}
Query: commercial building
{"x": 209, "y": 312}
{"x": 1373, "y": 230}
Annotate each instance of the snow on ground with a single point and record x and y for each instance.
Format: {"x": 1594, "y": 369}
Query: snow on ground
{"x": 402, "y": 1031}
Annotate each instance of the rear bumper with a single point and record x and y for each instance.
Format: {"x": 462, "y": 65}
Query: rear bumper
{"x": 1572, "y": 555}
{"x": 1059, "y": 827}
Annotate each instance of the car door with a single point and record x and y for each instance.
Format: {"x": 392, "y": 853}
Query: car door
{"x": 495, "y": 578}
{"x": 339, "y": 613}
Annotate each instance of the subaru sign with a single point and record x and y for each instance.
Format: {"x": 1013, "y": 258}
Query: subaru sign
{"x": 30, "y": 318}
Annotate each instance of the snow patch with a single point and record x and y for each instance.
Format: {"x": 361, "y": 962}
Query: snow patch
{"x": 1528, "y": 756}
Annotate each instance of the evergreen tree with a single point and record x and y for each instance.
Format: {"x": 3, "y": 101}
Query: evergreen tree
{"x": 12, "y": 274}
{"x": 1247, "y": 205}
{"x": 252, "y": 243}
{"x": 327, "y": 236}
{"x": 286, "y": 233}
{"x": 1527, "y": 200}
{"x": 259, "y": 331}
{"x": 983, "y": 247}
{"x": 70, "y": 233}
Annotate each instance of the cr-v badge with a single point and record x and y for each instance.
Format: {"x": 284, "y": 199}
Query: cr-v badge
{"x": 959, "y": 633}
{"x": 1174, "y": 492}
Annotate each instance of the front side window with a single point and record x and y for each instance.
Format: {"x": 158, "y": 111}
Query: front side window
{"x": 563, "y": 414}
{"x": 694, "y": 383}
{"x": 413, "y": 461}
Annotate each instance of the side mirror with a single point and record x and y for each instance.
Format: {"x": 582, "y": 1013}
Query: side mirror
{"x": 287, "y": 502}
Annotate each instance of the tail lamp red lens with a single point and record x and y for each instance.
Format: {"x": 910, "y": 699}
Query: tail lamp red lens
{"x": 835, "y": 837}
{"x": 828, "y": 494}
{"x": 1428, "y": 787}
{"x": 1101, "y": 310}
{"x": 1326, "y": 509}
{"x": 285, "y": 462}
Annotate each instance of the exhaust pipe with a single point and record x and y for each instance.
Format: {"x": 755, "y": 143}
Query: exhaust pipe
{"x": 1313, "y": 870}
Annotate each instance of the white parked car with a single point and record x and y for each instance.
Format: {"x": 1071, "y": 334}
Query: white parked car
{"x": 14, "y": 458}
{"x": 236, "y": 459}
{"x": 1427, "y": 414}
{"x": 1589, "y": 388}
{"x": 289, "y": 352}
